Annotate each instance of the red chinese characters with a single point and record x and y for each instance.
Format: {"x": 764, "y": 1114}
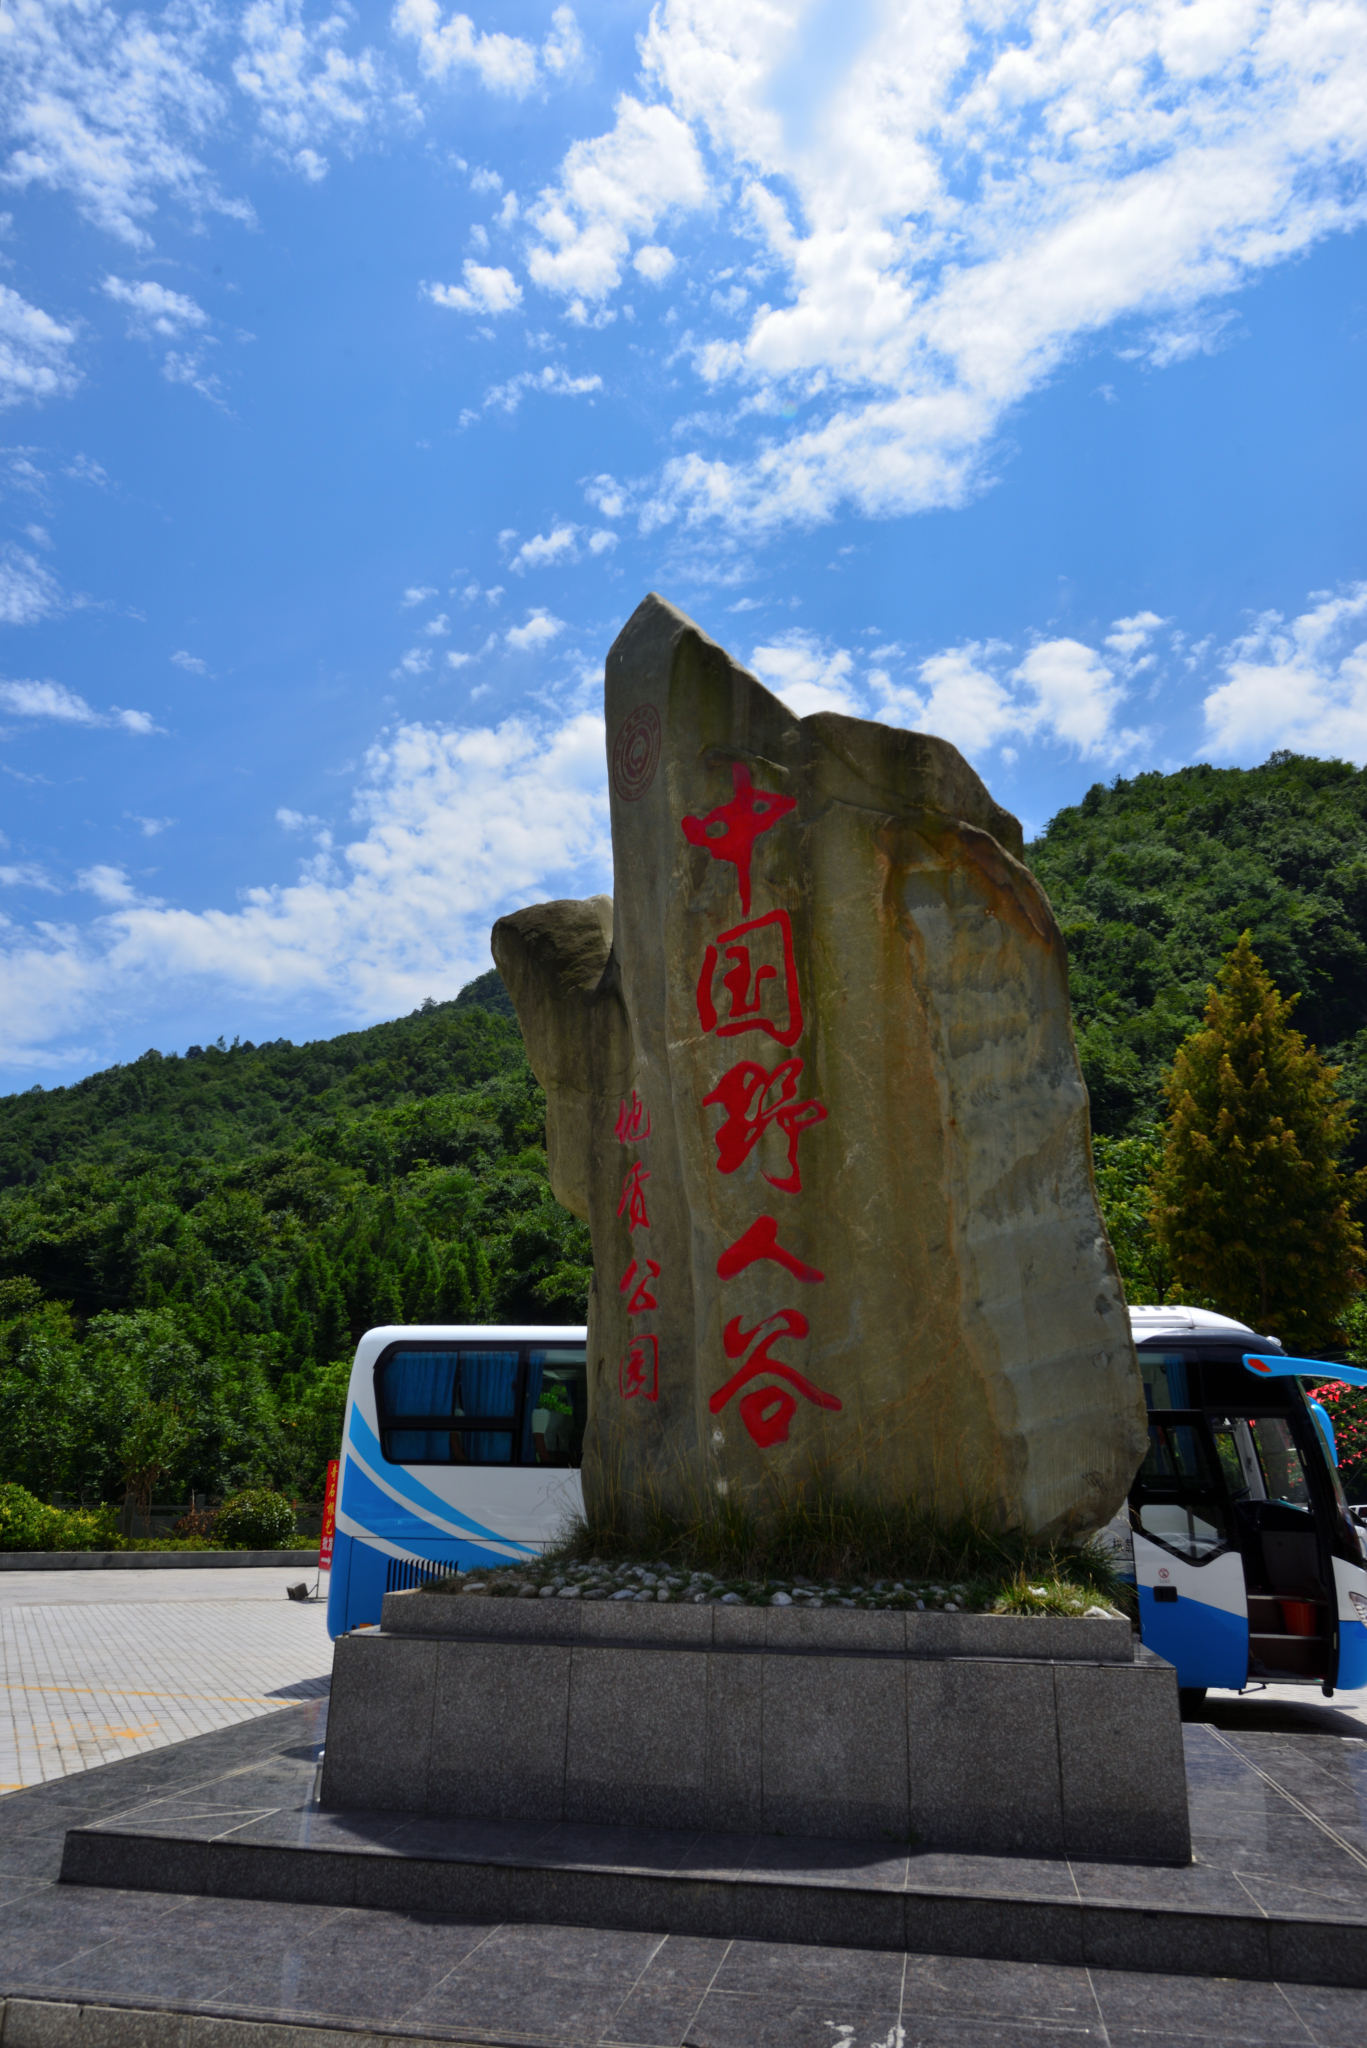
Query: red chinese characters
{"x": 729, "y": 832}
{"x": 767, "y": 1411}
{"x": 641, "y": 1296}
{"x": 749, "y": 981}
{"x": 633, "y": 1121}
{"x": 639, "y": 1371}
{"x": 632, "y": 1202}
{"x": 760, "y": 1241}
{"x": 747, "y": 1094}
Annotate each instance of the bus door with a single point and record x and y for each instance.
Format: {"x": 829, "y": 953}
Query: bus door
{"x": 1276, "y": 1471}
{"x": 1189, "y": 1573}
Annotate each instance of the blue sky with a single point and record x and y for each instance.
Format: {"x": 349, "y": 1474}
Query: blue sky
{"x": 995, "y": 370}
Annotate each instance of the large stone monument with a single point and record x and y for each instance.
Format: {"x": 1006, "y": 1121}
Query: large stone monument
{"x": 811, "y": 1080}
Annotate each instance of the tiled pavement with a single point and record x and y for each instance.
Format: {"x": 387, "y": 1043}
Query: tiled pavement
{"x": 432, "y": 1977}
{"x": 102, "y": 1665}
{"x": 462, "y": 1979}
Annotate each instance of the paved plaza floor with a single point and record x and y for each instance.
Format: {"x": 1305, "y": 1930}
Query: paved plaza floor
{"x": 124, "y": 1687}
{"x": 102, "y": 1665}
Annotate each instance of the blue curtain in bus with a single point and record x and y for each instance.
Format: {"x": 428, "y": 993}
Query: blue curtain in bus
{"x": 534, "y": 1372}
{"x": 419, "y": 1383}
{"x": 488, "y": 1386}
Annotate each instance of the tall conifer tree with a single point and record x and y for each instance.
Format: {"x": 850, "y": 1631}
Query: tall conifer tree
{"x": 1249, "y": 1201}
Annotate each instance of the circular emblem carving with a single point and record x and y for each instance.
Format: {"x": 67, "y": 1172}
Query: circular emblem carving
{"x": 636, "y": 753}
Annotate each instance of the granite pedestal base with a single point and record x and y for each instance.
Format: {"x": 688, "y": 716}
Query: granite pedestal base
{"x": 1011, "y": 1737}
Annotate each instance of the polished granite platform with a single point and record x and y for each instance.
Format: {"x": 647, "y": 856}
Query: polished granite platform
{"x": 100, "y": 1967}
{"x": 1277, "y": 1888}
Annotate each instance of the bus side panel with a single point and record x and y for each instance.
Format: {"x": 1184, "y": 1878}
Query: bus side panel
{"x": 1204, "y": 1631}
{"x": 365, "y": 1587}
{"x": 1352, "y": 1672}
{"x": 337, "y": 1584}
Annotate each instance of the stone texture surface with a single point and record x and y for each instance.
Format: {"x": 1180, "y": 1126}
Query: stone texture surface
{"x": 988, "y": 1756}
{"x": 812, "y": 1082}
{"x": 1001, "y": 1795}
{"x": 891, "y": 1632}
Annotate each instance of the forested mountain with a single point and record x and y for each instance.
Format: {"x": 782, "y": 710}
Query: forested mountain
{"x": 212, "y": 1233}
{"x": 1153, "y": 879}
{"x": 192, "y": 1244}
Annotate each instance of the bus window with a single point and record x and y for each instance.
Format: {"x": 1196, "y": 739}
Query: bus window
{"x": 421, "y": 1393}
{"x": 1280, "y": 1460}
{"x": 1165, "y": 1379}
{"x": 558, "y": 1390}
{"x": 1174, "y": 1493}
{"x": 1239, "y": 1459}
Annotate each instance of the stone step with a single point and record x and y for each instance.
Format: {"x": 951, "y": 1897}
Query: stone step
{"x": 872, "y": 1894}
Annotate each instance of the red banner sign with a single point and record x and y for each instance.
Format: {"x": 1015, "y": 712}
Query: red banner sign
{"x": 329, "y": 1518}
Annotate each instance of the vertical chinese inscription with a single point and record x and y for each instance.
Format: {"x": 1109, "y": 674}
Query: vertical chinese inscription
{"x": 748, "y": 982}
{"x": 638, "y": 1370}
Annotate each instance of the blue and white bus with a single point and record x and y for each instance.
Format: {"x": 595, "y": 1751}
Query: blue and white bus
{"x": 1249, "y": 1564}
{"x": 460, "y": 1446}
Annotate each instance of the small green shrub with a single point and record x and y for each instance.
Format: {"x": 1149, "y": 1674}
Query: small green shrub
{"x": 25, "y": 1522}
{"x": 256, "y": 1519}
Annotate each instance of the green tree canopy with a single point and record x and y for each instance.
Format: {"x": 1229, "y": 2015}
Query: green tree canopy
{"x": 1250, "y": 1203}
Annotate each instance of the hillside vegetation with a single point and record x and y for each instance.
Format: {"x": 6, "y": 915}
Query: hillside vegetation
{"x": 1154, "y": 878}
{"x": 191, "y": 1245}
{"x": 195, "y": 1244}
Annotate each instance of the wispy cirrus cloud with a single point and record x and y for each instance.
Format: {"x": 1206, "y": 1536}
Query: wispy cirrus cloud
{"x": 25, "y": 698}
{"x": 487, "y": 289}
{"x": 36, "y": 352}
{"x": 454, "y": 825}
{"x": 935, "y": 218}
{"x": 455, "y": 47}
{"x": 981, "y": 696}
{"x": 1299, "y": 683}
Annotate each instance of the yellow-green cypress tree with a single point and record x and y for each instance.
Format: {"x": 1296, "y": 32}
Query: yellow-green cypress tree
{"x": 1249, "y": 1201}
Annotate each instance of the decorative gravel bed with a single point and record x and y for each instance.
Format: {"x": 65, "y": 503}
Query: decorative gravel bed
{"x": 597, "y": 1580}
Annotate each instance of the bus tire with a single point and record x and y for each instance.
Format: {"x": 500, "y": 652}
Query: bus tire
{"x": 1190, "y": 1700}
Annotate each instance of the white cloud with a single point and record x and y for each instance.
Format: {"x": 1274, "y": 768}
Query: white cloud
{"x": 191, "y": 663}
{"x": 28, "y": 592}
{"x": 455, "y": 827}
{"x": 612, "y": 190}
{"x": 964, "y": 702}
{"x": 806, "y": 675}
{"x": 35, "y": 359}
{"x": 28, "y": 699}
{"x": 295, "y": 821}
{"x": 653, "y": 261}
{"x": 150, "y": 827}
{"x": 952, "y": 202}
{"x": 602, "y": 542}
{"x": 156, "y": 310}
{"x": 415, "y": 663}
{"x": 1301, "y": 684}
{"x": 540, "y": 629}
{"x": 113, "y": 108}
{"x": 607, "y": 495}
{"x": 486, "y": 289}
{"x": 562, "y": 52}
{"x": 437, "y": 628}
{"x": 110, "y": 884}
{"x": 553, "y": 381}
{"x": 305, "y": 87}
{"x": 1075, "y": 696}
{"x": 545, "y": 548}
{"x": 416, "y": 594}
{"x": 1128, "y": 636}
{"x": 1061, "y": 694}
{"x": 502, "y": 63}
